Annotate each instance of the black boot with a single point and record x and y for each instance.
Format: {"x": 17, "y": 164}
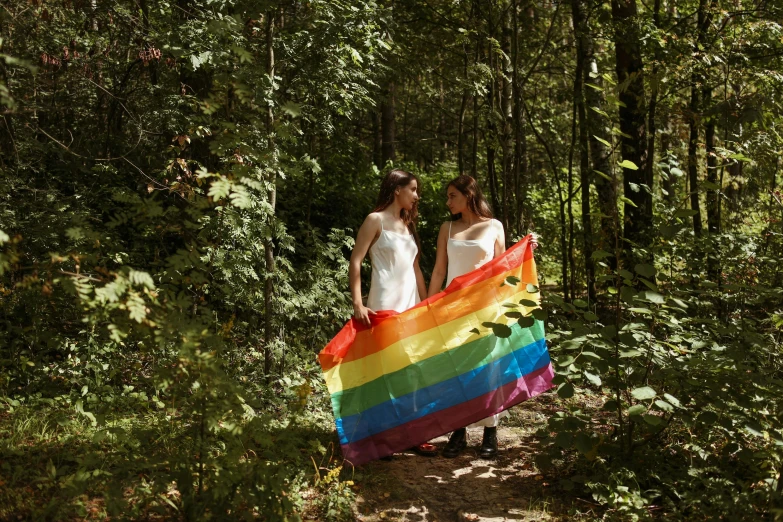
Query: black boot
{"x": 489, "y": 446}
{"x": 457, "y": 442}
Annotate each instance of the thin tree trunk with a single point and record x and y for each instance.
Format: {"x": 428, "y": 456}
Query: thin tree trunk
{"x": 269, "y": 244}
{"x": 630, "y": 73}
{"x": 377, "y": 139}
{"x": 461, "y": 134}
{"x": 580, "y": 29}
{"x": 506, "y": 104}
{"x": 654, "y": 87}
{"x": 491, "y": 135}
{"x": 667, "y": 183}
{"x": 387, "y": 125}
{"x": 693, "y": 143}
{"x": 600, "y": 155}
{"x": 561, "y": 198}
{"x": 520, "y": 146}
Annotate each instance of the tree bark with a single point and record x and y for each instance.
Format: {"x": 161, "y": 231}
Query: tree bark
{"x": 580, "y": 30}
{"x": 387, "y": 125}
{"x": 491, "y": 134}
{"x": 520, "y": 139}
{"x": 600, "y": 155}
{"x": 269, "y": 246}
{"x": 377, "y": 139}
{"x": 630, "y": 74}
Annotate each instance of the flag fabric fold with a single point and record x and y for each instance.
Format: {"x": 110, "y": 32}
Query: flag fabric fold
{"x": 453, "y": 359}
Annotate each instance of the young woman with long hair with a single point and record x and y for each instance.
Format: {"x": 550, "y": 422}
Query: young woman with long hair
{"x": 467, "y": 241}
{"x": 389, "y": 235}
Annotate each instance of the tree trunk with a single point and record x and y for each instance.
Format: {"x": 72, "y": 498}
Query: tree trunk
{"x": 580, "y": 30}
{"x": 520, "y": 139}
{"x": 667, "y": 183}
{"x": 630, "y": 73}
{"x": 387, "y": 125}
{"x": 506, "y": 104}
{"x": 377, "y": 139}
{"x": 491, "y": 134}
{"x": 269, "y": 253}
{"x": 693, "y": 143}
{"x": 600, "y": 155}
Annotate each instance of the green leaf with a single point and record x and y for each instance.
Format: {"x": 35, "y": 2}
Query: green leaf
{"x": 292, "y": 109}
{"x": 531, "y": 289}
{"x": 593, "y": 378}
{"x": 513, "y": 314}
{"x": 754, "y": 428}
{"x": 475, "y": 331}
{"x": 600, "y": 254}
{"x": 566, "y": 390}
{"x": 652, "y": 297}
{"x": 528, "y": 303}
{"x": 672, "y": 400}
{"x": 665, "y": 406}
{"x": 566, "y": 361}
{"x": 645, "y": 270}
{"x": 601, "y": 140}
{"x": 590, "y": 316}
{"x": 512, "y": 280}
{"x": 580, "y": 303}
{"x": 640, "y": 311}
{"x": 637, "y": 409}
{"x": 708, "y": 417}
{"x": 540, "y": 315}
{"x": 526, "y": 322}
{"x": 628, "y": 164}
{"x": 653, "y": 420}
{"x": 643, "y": 393}
{"x": 500, "y": 330}
{"x": 628, "y": 201}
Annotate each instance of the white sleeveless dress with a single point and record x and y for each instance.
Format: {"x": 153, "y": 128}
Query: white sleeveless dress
{"x": 465, "y": 255}
{"x": 393, "y": 282}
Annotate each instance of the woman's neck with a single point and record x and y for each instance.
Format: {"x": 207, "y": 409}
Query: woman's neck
{"x": 469, "y": 218}
{"x": 394, "y": 209}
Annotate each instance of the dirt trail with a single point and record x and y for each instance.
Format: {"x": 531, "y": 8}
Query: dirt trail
{"x": 508, "y": 488}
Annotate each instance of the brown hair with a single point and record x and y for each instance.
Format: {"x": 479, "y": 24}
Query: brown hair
{"x": 394, "y": 179}
{"x": 471, "y": 190}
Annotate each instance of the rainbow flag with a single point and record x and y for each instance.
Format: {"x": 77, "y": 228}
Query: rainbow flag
{"x": 439, "y": 366}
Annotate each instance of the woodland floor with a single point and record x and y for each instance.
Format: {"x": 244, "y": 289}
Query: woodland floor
{"x": 467, "y": 488}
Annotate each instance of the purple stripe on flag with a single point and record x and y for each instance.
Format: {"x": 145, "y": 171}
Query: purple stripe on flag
{"x": 420, "y": 430}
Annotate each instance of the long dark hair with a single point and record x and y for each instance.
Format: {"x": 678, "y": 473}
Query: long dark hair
{"x": 471, "y": 190}
{"x": 394, "y": 179}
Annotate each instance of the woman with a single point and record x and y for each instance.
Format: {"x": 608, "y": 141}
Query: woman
{"x": 389, "y": 235}
{"x": 471, "y": 239}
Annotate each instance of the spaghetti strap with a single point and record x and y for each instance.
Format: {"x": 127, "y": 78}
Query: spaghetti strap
{"x": 381, "y": 225}
{"x": 450, "y": 222}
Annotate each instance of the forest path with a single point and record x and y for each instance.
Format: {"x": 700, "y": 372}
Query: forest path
{"x": 467, "y": 488}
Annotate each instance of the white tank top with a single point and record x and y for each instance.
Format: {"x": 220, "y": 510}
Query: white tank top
{"x": 466, "y": 255}
{"x": 393, "y": 283}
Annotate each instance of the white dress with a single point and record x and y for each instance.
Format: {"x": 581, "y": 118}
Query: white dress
{"x": 465, "y": 255}
{"x": 393, "y": 284}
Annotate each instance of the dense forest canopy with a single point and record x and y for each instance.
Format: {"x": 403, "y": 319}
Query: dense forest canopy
{"x": 182, "y": 182}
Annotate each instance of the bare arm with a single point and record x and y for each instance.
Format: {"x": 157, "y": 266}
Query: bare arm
{"x": 421, "y": 285}
{"x": 441, "y": 261}
{"x": 368, "y": 232}
{"x": 500, "y": 241}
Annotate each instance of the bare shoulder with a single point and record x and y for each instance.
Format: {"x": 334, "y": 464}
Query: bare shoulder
{"x": 373, "y": 218}
{"x": 497, "y": 225}
{"x": 373, "y": 222}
